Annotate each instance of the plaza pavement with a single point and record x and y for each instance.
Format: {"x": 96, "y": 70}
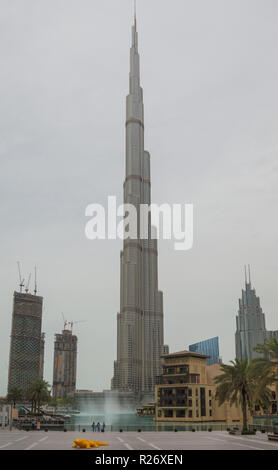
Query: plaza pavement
{"x": 144, "y": 441}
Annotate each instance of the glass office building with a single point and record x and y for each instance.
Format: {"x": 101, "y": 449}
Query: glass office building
{"x": 210, "y": 347}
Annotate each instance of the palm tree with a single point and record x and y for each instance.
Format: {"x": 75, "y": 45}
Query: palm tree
{"x": 269, "y": 348}
{"x": 263, "y": 378}
{"x": 267, "y": 365}
{"x": 38, "y": 393}
{"x": 15, "y": 395}
{"x": 242, "y": 384}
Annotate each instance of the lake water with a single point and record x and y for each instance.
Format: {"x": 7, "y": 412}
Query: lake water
{"x": 133, "y": 422}
{"x": 113, "y": 421}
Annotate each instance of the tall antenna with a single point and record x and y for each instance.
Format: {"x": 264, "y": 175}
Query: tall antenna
{"x": 21, "y": 281}
{"x": 36, "y": 287}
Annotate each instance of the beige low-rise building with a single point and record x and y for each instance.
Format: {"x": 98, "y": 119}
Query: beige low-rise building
{"x": 146, "y": 410}
{"x": 186, "y": 391}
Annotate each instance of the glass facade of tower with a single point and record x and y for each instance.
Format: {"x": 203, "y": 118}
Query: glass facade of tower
{"x": 27, "y": 343}
{"x": 250, "y": 324}
{"x": 209, "y": 347}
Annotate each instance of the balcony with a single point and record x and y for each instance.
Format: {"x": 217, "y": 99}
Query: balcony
{"x": 164, "y": 403}
{"x": 175, "y": 371}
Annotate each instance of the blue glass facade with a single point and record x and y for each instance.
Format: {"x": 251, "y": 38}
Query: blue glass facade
{"x": 209, "y": 347}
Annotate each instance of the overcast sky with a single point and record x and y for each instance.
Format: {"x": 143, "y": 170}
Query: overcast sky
{"x": 209, "y": 71}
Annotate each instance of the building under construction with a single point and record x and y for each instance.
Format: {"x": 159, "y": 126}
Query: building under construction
{"x": 42, "y": 355}
{"x": 64, "y": 368}
{"x": 27, "y": 341}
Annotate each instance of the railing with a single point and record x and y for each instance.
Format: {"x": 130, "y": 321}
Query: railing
{"x": 156, "y": 427}
{"x": 267, "y": 428}
{"x": 27, "y": 425}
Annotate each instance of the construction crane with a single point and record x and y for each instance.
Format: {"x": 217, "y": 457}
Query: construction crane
{"x": 21, "y": 281}
{"x": 71, "y": 323}
{"x": 65, "y": 321}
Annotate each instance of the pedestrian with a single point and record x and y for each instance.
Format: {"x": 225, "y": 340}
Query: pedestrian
{"x": 38, "y": 425}
{"x": 33, "y": 425}
{"x": 98, "y": 427}
{"x": 93, "y": 426}
{"x": 103, "y": 427}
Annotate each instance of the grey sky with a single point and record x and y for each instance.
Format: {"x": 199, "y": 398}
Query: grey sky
{"x": 209, "y": 72}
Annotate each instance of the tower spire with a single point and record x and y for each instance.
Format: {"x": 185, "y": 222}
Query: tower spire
{"x": 249, "y": 272}
{"x": 134, "y": 30}
{"x": 134, "y": 75}
{"x": 245, "y": 275}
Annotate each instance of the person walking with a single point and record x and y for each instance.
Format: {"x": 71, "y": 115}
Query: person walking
{"x": 103, "y": 427}
{"x": 93, "y": 426}
{"x": 98, "y": 427}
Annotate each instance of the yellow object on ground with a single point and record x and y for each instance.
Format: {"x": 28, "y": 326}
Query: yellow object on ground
{"x": 85, "y": 444}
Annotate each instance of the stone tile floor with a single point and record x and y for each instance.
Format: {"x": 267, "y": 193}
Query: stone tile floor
{"x": 144, "y": 441}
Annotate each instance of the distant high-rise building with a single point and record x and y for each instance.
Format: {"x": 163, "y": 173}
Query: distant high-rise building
{"x": 64, "y": 368}
{"x": 250, "y": 322}
{"x": 208, "y": 347}
{"x": 272, "y": 334}
{"x": 140, "y": 335}
{"x": 42, "y": 355}
{"x": 165, "y": 349}
{"x": 26, "y": 341}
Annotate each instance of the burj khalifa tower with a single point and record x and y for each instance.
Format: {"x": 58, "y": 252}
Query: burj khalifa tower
{"x": 140, "y": 336}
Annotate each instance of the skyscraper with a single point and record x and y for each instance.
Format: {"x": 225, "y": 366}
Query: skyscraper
{"x": 208, "y": 347}
{"x": 26, "y": 345}
{"x": 140, "y": 320}
{"x": 64, "y": 367}
{"x": 250, "y": 323}
{"x": 42, "y": 355}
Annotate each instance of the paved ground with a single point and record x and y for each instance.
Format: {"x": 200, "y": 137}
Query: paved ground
{"x": 56, "y": 440}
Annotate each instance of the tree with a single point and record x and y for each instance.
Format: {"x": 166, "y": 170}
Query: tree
{"x": 38, "y": 394}
{"x": 243, "y": 384}
{"x": 267, "y": 365}
{"x": 269, "y": 349}
{"x": 67, "y": 402}
{"x": 53, "y": 402}
{"x": 15, "y": 395}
